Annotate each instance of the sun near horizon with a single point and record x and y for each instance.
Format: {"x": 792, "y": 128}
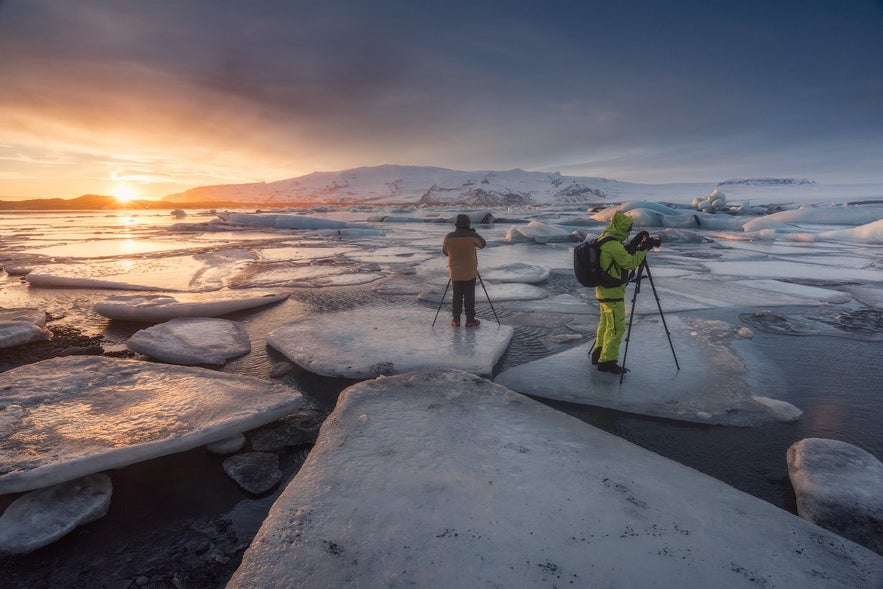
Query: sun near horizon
{"x": 124, "y": 193}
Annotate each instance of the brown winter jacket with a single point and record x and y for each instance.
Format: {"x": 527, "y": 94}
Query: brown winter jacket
{"x": 460, "y": 247}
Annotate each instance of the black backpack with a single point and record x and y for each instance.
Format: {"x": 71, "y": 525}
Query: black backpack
{"x": 587, "y": 264}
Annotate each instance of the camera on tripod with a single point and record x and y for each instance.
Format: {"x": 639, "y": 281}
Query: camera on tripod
{"x": 650, "y": 242}
{"x": 643, "y": 241}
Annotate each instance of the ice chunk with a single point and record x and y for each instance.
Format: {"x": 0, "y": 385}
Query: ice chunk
{"x": 158, "y": 308}
{"x": 370, "y": 341}
{"x": 20, "y": 326}
{"x": 192, "y": 340}
{"x": 41, "y": 517}
{"x": 442, "y": 479}
{"x": 714, "y": 383}
{"x": 838, "y": 487}
{"x": 71, "y": 416}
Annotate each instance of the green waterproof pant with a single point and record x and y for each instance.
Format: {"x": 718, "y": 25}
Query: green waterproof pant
{"x": 611, "y": 330}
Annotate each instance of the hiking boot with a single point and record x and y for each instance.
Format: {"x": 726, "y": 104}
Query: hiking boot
{"x": 595, "y": 355}
{"x": 455, "y": 323}
{"x": 612, "y": 367}
{"x": 472, "y": 323}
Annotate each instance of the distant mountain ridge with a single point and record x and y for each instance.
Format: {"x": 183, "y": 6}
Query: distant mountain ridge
{"x": 424, "y": 185}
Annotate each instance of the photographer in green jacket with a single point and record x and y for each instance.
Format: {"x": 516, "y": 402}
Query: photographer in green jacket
{"x": 617, "y": 260}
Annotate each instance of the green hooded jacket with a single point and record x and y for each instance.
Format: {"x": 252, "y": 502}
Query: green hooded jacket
{"x": 615, "y": 256}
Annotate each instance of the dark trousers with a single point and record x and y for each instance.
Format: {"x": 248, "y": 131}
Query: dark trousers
{"x": 464, "y": 294}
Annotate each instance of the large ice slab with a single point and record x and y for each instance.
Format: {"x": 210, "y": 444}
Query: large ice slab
{"x": 371, "y": 341}
{"x": 714, "y": 383}
{"x": 839, "y": 487}
{"x": 159, "y": 308}
{"x": 443, "y": 479}
{"x": 20, "y": 326}
{"x": 67, "y": 417}
{"x": 192, "y": 340}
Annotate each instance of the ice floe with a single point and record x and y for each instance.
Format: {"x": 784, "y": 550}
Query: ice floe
{"x": 67, "y": 417}
{"x": 197, "y": 273}
{"x": 20, "y": 326}
{"x": 192, "y": 340}
{"x": 372, "y": 341}
{"x": 41, "y": 517}
{"x": 838, "y": 487}
{"x": 158, "y": 308}
{"x": 712, "y": 385}
{"x": 443, "y": 479}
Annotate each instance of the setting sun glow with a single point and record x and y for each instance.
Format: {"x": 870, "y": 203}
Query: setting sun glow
{"x": 124, "y": 193}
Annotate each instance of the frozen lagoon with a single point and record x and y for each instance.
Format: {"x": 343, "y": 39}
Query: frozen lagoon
{"x": 539, "y": 333}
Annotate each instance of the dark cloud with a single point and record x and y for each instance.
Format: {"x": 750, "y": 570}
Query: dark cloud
{"x": 474, "y": 85}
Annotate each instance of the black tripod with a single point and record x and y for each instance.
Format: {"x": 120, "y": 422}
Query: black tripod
{"x": 642, "y": 269}
{"x": 485, "y": 294}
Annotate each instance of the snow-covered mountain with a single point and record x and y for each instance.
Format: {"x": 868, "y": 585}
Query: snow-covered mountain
{"x": 423, "y": 185}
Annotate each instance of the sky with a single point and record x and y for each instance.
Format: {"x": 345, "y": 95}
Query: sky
{"x": 151, "y": 98}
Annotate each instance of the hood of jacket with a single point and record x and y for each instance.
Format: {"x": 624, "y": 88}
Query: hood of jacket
{"x": 620, "y": 225}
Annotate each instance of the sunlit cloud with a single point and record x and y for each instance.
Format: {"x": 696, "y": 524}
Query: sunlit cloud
{"x": 168, "y": 97}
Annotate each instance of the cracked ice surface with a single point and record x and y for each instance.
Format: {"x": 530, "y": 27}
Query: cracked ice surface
{"x": 67, "y": 417}
{"x": 712, "y": 385}
{"x": 372, "y": 341}
{"x": 432, "y": 479}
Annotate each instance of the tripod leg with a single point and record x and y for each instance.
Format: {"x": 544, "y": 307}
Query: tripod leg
{"x": 441, "y": 302}
{"x": 662, "y": 315}
{"x": 488, "y": 299}
{"x": 628, "y": 333}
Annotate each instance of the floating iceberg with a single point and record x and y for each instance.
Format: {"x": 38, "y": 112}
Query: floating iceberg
{"x": 443, "y": 479}
{"x": 159, "y": 308}
{"x": 72, "y": 416}
{"x": 372, "y": 341}
{"x": 192, "y": 340}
